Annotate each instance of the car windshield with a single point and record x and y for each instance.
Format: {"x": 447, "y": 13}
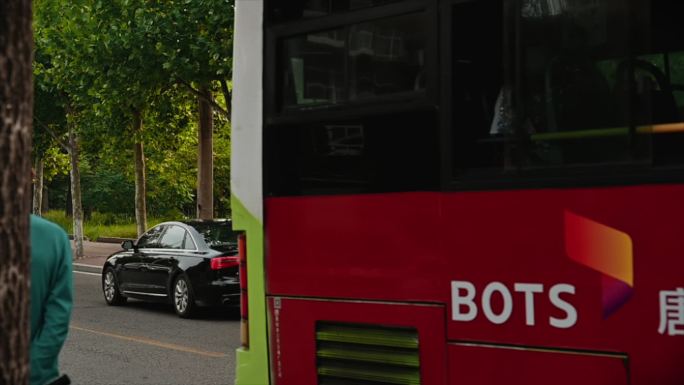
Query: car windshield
{"x": 218, "y": 235}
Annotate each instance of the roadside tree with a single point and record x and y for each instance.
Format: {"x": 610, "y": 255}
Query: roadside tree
{"x": 16, "y": 109}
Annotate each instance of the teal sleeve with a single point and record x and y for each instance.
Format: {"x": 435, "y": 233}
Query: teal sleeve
{"x": 46, "y": 346}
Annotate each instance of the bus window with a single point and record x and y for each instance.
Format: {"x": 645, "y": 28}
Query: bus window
{"x": 314, "y": 66}
{"x": 292, "y": 10}
{"x": 567, "y": 102}
{"x": 387, "y": 56}
{"x": 354, "y": 63}
{"x": 388, "y": 152}
{"x": 481, "y": 105}
{"x": 565, "y": 83}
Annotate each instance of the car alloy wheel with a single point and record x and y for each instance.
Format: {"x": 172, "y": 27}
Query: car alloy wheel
{"x": 181, "y": 295}
{"x": 110, "y": 288}
{"x": 183, "y": 299}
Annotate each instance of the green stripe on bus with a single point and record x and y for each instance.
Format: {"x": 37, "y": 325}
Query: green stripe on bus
{"x": 388, "y": 376}
{"x": 252, "y": 363}
{"x": 389, "y": 356}
{"x": 378, "y": 337}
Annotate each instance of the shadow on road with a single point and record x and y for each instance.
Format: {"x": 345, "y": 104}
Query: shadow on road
{"x": 202, "y": 313}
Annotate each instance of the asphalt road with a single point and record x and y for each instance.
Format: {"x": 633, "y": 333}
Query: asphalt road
{"x": 143, "y": 343}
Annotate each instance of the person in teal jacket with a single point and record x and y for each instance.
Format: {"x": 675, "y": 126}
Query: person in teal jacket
{"x": 51, "y": 297}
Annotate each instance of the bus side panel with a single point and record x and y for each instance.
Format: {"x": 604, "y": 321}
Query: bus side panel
{"x": 364, "y": 246}
{"x": 486, "y": 365}
{"x": 600, "y": 259}
{"x": 293, "y": 334}
{"x": 597, "y": 270}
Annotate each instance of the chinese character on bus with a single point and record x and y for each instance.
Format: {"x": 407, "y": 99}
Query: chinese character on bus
{"x": 672, "y": 312}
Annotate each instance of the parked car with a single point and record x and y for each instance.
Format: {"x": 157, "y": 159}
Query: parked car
{"x": 187, "y": 264}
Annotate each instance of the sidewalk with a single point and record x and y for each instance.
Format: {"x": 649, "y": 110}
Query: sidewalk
{"x": 95, "y": 253}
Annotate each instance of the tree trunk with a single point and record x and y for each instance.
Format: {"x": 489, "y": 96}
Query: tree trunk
{"x": 16, "y": 110}
{"x": 205, "y": 161}
{"x": 75, "y": 175}
{"x": 140, "y": 188}
{"x": 45, "y": 205}
{"x": 68, "y": 207}
{"x": 228, "y": 98}
{"x": 38, "y": 187}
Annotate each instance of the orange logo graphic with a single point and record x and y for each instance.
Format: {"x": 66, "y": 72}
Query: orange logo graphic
{"x": 606, "y": 250}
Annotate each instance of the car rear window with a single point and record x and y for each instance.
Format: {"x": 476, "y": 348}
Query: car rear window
{"x": 218, "y": 236}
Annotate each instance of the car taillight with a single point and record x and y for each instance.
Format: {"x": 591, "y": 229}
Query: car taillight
{"x": 242, "y": 258}
{"x": 219, "y": 263}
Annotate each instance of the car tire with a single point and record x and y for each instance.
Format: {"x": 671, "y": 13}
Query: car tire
{"x": 183, "y": 297}
{"x": 110, "y": 288}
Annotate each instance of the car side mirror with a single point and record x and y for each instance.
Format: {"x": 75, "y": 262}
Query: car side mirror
{"x": 127, "y": 245}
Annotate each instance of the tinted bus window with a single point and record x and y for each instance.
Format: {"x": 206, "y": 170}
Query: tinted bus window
{"x": 354, "y": 63}
{"x": 389, "y": 152}
{"x": 292, "y": 10}
{"x": 478, "y": 78}
{"x": 565, "y": 83}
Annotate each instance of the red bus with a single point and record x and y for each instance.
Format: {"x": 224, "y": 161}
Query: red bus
{"x": 462, "y": 192}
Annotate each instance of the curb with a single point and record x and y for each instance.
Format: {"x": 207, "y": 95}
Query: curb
{"x": 103, "y": 239}
{"x": 113, "y": 240}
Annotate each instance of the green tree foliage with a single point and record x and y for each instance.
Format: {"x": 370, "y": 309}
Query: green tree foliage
{"x": 100, "y": 61}
{"x": 195, "y": 38}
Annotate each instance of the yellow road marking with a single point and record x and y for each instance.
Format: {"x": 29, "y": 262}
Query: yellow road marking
{"x": 152, "y": 342}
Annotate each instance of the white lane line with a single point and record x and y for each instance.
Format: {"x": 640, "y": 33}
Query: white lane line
{"x": 86, "y": 265}
{"x": 86, "y": 273}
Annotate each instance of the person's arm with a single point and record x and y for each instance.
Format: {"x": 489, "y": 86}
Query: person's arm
{"x": 49, "y": 341}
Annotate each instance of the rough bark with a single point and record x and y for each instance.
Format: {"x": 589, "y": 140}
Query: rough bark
{"x": 38, "y": 187}
{"x": 227, "y": 97}
{"x": 205, "y": 159}
{"x": 46, "y": 200}
{"x": 68, "y": 209}
{"x": 75, "y": 175}
{"x": 140, "y": 182}
{"x": 217, "y": 107}
{"x": 16, "y": 110}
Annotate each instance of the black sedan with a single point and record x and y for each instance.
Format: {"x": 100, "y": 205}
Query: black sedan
{"x": 187, "y": 264}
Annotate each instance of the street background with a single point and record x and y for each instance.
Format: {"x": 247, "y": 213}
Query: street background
{"x": 143, "y": 343}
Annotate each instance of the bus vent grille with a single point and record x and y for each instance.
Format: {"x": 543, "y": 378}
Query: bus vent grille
{"x": 366, "y": 355}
